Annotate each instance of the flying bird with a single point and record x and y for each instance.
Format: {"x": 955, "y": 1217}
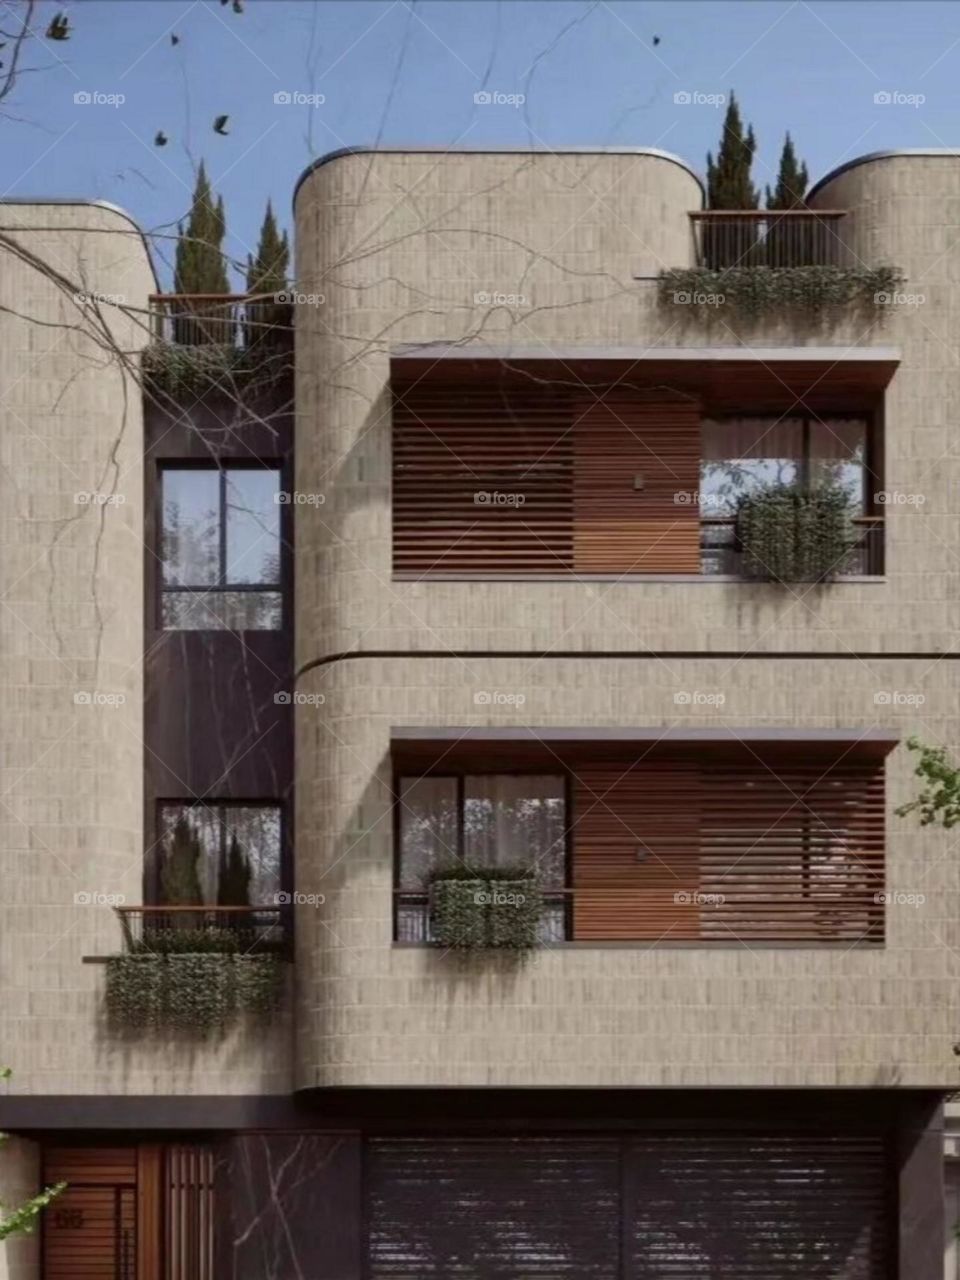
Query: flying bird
{"x": 174, "y": 38}
{"x": 238, "y": 6}
{"x": 161, "y": 139}
{"x": 656, "y": 41}
{"x": 220, "y": 125}
{"x": 59, "y": 28}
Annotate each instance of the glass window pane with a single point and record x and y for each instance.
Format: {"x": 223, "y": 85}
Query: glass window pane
{"x": 252, "y": 846}
{"x": 191, "y": 527}
{"x": 838, "y": 454}
{"x": 428, "y": 829}
{"x": 517, "y": 820}
{"x": 253, "y": 526}
{"x": 189, "y": 853}
{"x": 222, "y": 611}
{"x": 741, "y": 455}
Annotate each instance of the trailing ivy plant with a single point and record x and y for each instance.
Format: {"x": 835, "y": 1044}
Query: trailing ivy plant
{"x": 481, "y": 908}
{"x": 22, "y": 1220}
{"x": 790, "y": 534}
{"x": 194, "y": 369}
{"x": 939, "y": 799}
{"x": 197, "y": 992}
{"x": 759, "y": 291}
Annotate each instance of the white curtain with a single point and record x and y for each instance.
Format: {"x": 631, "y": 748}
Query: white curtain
{"x": 516, "y": 820}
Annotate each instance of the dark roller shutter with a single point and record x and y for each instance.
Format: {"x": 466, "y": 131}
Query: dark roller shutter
{"x": 494, "y": 1209}
{"x": 768, "y": 1207}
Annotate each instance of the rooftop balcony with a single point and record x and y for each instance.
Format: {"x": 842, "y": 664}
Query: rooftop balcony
{"x": 768, "y": 238}
{"x": 203, "y": 341}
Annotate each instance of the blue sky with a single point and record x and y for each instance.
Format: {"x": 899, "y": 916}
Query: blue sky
{"x": 407, "y": 73}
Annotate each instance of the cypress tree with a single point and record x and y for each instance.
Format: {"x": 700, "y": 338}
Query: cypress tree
{"x": 791, "y": 180}
{"x": 179, "y": 867}
{"x": 729, "y": 185}
{"x": 199, "y": 266}
{"x": 267, "y": 273}
{"x": 233, "y": 887}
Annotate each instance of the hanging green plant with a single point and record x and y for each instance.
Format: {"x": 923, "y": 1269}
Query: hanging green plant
{"x": 200, "y": 993}
{"x": 756, "y": 291}
{"x": 485, "y": 908}
{"x": 790, "y": 534}
{"x": 185, "y": 369}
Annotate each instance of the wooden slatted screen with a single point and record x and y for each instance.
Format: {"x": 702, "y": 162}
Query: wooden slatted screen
{"x": 482, "y": 481}
{"x": 689, "y": 1205}
{"x": 527, "y": 1207}
{"x": 768, "y": 1207}
{"x": 528, "y": 479}
{"x": 188, "y": 1216}
{"x": 619, "y": 528}
{"x": 758, "y": 852}
{"x": 89, "y": 1232}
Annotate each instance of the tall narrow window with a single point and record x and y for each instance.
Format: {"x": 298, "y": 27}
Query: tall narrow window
{"x": 220, "y": 548}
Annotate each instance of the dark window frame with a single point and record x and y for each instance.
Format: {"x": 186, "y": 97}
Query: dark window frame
{"x": 406, "y": 775}
{"x": 223, "y": 467}
{"x": 151, "y": 870}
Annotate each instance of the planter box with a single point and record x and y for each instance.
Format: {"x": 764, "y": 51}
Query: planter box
{"x": 515, "y": 910}
{"x": 458, "y": 913}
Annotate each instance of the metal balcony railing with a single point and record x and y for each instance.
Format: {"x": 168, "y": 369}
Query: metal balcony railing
{"x": 221, "y": 319}
{"x": 721, "y": 555}
{"x": 768, "y": 238}
{"x": 256, "y": 928}
{"x": 412, "y": 911}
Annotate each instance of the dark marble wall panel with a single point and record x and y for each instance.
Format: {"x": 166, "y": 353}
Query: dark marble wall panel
{"x": 289, "y": 1207}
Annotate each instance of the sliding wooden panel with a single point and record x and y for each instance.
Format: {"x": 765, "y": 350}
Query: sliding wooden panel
{"x": 89, "y": 1232}
{"x": 636, "y": 479}
{"x": 482, "y": 480}
{"x": 793, "y": 853}
{"x": 188, "y": 1213}
{"x": 149, "y": 1211}
{"x": 756, "y": 852}
{"x": 636, "y": 865}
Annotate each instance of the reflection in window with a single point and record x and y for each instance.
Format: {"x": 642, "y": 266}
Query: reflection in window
{"x": 487, "y": 820}
{"x": 218, "y": 855}
{"x": 220, "y": 548}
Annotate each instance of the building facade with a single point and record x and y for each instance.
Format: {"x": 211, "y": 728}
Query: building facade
{"x": 510, "y": 824}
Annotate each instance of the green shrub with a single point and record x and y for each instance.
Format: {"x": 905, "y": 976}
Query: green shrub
{"x": 135, "y": 990}
{"x": 515, "y": 911}
{"x": 200, "y": 993}
{"x": 788, "y": 534}
{"x": 478, "y": 908}
{"x": 762, "y": 290}
{"x": 458, "y": 917}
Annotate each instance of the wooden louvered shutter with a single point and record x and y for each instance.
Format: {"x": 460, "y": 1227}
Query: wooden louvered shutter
{"x": 636, "y": 852}
{"x": 793, "y": 853}
{"x": 530, "y": 1206}
{"x": 482, "y": 480}
{"x": 771, "y": 1206}
{"x": 89, "y": 1231}
{"x": 623, "y": 529}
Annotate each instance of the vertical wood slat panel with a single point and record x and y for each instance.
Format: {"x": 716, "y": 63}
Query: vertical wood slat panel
{"x": 189, "y": 1213}
{"x": 753, "y": 853}
{"x": 619, "y": 528}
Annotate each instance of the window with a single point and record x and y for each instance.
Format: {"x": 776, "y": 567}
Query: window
{"x": 220, "y": 548}
{"x": 218, "y": 855}
{"x": 742, "y": 455}
{"x": 488, "y": 820}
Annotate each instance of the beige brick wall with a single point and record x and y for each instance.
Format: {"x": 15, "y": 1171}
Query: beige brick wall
{"x": 71, "y": 623}
{"x": 19, "y": 1180}
{"x": 399, "y": 246}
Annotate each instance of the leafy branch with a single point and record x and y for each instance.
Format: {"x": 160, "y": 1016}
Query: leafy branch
{"x": 23, "y": 1219}
{"x": 939, "y": 799}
